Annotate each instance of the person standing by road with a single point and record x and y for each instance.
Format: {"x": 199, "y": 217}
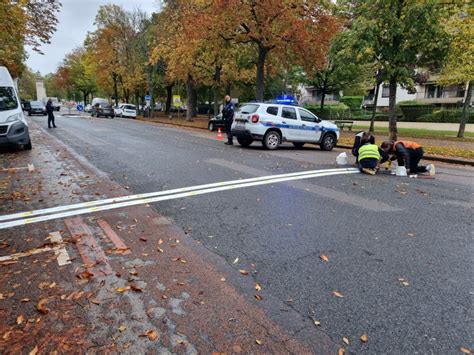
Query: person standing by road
{"x": 408, "y": 154}
{"x": 228, "y": 117}
{"x": 49, "y": 110}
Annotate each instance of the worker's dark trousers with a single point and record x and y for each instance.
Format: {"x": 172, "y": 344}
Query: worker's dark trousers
{"x": 415, "y": 157}
{"x": 51, "y": 120}
{"x": 228, "y": 125}
{"x": 368, "y": 163}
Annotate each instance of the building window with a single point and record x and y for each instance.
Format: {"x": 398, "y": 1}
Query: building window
{"x": 460, "y": 91}
{"x": 385, "y": 90}
{"x": 430, "y": 91}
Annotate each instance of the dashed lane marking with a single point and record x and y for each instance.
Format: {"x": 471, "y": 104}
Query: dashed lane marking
{"x": 25, "y": 221}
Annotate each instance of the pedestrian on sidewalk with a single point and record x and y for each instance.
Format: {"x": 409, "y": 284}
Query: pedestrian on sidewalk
{"x": 408, "y": 154}
{"x": 369, "y": 158}
{"x": 228, "y": 117}
{"x": 49, "y": 110}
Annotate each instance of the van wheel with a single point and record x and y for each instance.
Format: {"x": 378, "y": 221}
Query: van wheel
{"x": 244, "y": 142}
{"x": 28, "y": 146}
{"x": 329, "y": 142}
{"x": 211, "y": 126}
{"x": 272, "y": 140}
{"x": 298, "y": 145}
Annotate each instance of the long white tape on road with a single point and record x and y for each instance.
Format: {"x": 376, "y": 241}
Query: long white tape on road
{"x": 168, "y": 195}
{"x": 159, "y": 193}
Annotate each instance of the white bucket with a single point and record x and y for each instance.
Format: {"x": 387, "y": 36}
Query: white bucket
{"x": 341, "y": 159}
{"x": 401, "y": 171}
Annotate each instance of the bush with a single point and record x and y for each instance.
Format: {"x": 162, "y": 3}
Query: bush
{"x": 353, "y": 102}
{"x": 411, "y": 110}
{"x": 330, "y": 112}
{"x": 446, "y": 116}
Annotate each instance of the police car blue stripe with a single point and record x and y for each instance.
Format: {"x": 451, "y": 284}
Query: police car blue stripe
{"x": 303, "y": 128}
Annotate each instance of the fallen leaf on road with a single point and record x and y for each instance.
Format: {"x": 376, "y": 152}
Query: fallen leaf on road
{"x": 1, "y": 296}
{"x": 160, "y": 241}
{"x": 236, "y": 260}
{"x": 143, "y": 239}
{"x": 122, "y": 328}
{"x": 337, "y": 294}
{"x": 317, "y": 322}
{"x": 152, "y": 335}
{"x": 34, "y": 351}
{"x": 411, "y": 234}
{"x": 160, "y": 250}
{"x": 244, "y": 272}
{"x": 24, "y": 300}
{"x": 135, "y": 288}
{"x": 86, "y": 275}
{"x": 364, "y": 338}
{"x": 258, "y": 341}
{"x": 122, "y": 289}
{"x": 41, "y": 306}
{"x": 7, "y": 335}
{"x": 53, "y": 285}
{"x": 258, "y": 287}
{"x": 19, "y": 319}
{"x": 345, "y": 340}
{"x": 258, "y": 297}
{"x": 324, "y": 258}
{"x": 94, "y": 301}
{"x": 341, "y": 351}
{"x": 223, "y": 279}
{"x": 180, "y": 283}
{"x": 465, "y": 350}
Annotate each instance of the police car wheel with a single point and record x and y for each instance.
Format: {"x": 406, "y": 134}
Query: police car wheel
{"x": 272, "y": 140}
{"x": 328, "y": 142}
{"x": 244, "y": 142}
{"x": 28, "y": 146}
{"x": 211, "y": 127}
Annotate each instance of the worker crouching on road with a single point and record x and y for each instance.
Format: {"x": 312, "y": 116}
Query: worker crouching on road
{"x": 369, "y": 158}
{"x": 360, "y": 139}
{"x": 408, "y": 154}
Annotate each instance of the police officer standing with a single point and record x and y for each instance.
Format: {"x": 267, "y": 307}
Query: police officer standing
{"x": 49, "y": 110}
{"x": 228, "y": 117}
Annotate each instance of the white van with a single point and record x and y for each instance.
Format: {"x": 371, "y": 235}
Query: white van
{"x": 13, "y": 125}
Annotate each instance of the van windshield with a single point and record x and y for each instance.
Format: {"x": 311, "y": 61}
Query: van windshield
{"x": 8, "y": 99}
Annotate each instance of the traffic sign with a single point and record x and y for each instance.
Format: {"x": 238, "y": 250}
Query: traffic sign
{"x": 80, "y": 108}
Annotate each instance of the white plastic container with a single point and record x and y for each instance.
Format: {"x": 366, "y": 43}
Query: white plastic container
{"x": 342, "y": 159}
{"x": 401, "y": 171}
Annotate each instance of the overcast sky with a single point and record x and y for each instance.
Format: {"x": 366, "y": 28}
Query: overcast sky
{"x": 75, "y": 20}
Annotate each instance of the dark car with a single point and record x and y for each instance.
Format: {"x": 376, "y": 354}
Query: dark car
{"x": 25, "y": 105}
{"x": 103, "y": 109}
{"x": 216, "y": 122}
{"x": 37, "y": 108}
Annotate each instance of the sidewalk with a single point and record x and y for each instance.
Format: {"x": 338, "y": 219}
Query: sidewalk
{"x": 125, "y": 280}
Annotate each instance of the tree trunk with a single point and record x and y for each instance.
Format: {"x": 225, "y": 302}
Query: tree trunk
{"x": 374, "y": 109}
{"x": 262, "y": 54}
{"x": 323, "y": 97}
{"x": 150, "y": 91}
{"x": 215, "y": 88}
{"x": 169, "y": 98}
{"x": 465, "y": 110}
{"x": 191, "y": 99}
{"x": 85, "y": 97}
{"x": 114, "y": 77}
{"x": 392, "y": 98}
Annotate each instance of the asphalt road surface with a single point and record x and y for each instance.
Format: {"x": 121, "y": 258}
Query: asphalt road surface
{"x": 400, "y": 250}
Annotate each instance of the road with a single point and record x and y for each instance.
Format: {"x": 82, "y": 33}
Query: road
{"x": 400, "y": 250}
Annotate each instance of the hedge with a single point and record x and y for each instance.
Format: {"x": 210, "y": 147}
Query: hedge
{"x": 353, "y": 102}
{"x": 330, "y": 112}
{"x": 446, "y": 116}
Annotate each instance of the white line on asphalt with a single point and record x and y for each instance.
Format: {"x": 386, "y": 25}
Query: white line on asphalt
{"x": 27, "y": 253}
{"x": 61, "y": 252}
{"x": 160, "y": 193}
{"x": 220, "y": 187}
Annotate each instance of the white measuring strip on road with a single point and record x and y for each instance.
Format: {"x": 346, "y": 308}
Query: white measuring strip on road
{"x": 160, "y": 193}
{"x": 25, "y": 221}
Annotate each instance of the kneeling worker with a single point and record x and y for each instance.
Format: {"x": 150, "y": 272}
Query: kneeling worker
{"x": 408, "y": 154}
{"x": 369, "y": 157}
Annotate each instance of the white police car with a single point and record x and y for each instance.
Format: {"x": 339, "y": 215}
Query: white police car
{"x": 273, "y": 124}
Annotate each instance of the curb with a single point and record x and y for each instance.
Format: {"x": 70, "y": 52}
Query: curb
{"x": 430, "y": 157}
{"x": 343, "y": 146}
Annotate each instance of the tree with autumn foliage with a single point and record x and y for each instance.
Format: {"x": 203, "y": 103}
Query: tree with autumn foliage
{"x": 458, "y": 67}
{"x": 25, "y": 22}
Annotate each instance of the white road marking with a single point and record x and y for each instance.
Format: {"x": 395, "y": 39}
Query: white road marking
{"x": 60, "y": 251}
{"x": 160, "y": 193}
{"x": 219, "y": 187}
{"x": 30, "y": 168}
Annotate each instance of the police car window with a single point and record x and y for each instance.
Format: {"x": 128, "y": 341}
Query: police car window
{"x": 307, "y": 116}
{"x": 247, "y": 109}
{"x": 288, "y": 112}
{"x": 272, "y": 110}
{"x": 7, "y": 98}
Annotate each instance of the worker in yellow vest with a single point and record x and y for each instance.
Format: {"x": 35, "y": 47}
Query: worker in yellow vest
{"x": 408, "y": 154}
{"x": 368, "y": 157}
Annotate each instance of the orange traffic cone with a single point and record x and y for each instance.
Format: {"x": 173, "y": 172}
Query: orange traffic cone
{"x": 219, "y": 135}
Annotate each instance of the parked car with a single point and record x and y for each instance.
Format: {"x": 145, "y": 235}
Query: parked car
{"x": 102, "y": 109}
{"x": 216, "y": 122}
{"x": 37, "y": 108}
{"x": 87, "y": 108}
{"x": 273, "y": 124}
{"x": 128, "y": 111}
{"x": 13, "y": 125}
{"x": 118, "y": 110}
